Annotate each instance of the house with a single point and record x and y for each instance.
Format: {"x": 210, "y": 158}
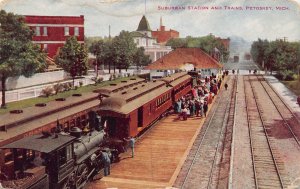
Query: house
{"x": 184, "y": 59}
{"x": 143, "y": 38}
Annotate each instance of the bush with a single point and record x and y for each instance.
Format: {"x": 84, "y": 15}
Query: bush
{"x": 48, "y": 91}
{"x": 58, "y": 88}
{"x": 80, "y": 83}
{"x": 100, "y": 79}
{"x": 285, "y": 75}
{"x": 67, "y": 86}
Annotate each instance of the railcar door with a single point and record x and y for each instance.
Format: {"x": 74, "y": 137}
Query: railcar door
{"x": 111, "y": 127}
{"x": 140, "y": 117}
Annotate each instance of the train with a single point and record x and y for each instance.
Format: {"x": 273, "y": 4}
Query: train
{"x": 69, "y": 159}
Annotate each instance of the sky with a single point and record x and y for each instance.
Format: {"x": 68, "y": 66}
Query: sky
{"x": 249, "y": 24}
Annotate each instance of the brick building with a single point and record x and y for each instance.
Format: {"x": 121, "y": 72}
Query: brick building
{"x": 162, "y": 35}
{"x": 51, "y": 32}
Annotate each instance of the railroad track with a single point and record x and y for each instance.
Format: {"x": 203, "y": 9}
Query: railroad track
{"x": 268, "y": 169}
{"x": 202, "y": 171}
{"x": 291, "y": 122}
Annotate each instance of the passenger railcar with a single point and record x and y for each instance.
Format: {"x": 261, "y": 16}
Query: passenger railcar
{"x": 70, "y": 159}
{"x": 129, "y": 111}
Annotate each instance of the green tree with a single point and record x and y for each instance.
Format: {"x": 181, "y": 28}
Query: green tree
{"x": 207, "y": 43}
{"x": 72, "y": 57}
{"x": 177, "y": 43}
{"x": 18, "y": 55}
{"x": 99, "y": 49}
{"x": 124, "y": 49}
{"x": 140, "y": 59}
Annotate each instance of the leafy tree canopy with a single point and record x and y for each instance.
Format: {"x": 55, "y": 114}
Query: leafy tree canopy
{"x": 278, "y": 55}
{"x": 207, "y": 44}
{"x": 18, "y": 55}
{"x": 72, "y": 57}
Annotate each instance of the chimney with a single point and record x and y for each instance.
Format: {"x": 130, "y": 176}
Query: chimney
{"x": 162, "y": 28}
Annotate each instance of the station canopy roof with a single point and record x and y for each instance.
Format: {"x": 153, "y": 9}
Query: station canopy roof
{"x": 40, "y": 143}
{"x": 176, "y": 60}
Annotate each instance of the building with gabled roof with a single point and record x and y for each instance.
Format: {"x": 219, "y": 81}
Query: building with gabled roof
{"x": 143, "y": 38}
{"x": 184, "y": 59}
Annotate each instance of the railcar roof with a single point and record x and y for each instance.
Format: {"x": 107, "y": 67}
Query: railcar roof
{"x": 40, "y": 143}
{"x": 107, "y": 90}
{"x": 141, "y": 94}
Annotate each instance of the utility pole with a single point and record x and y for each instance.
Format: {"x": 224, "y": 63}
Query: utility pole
{"x": 109, "y": 36}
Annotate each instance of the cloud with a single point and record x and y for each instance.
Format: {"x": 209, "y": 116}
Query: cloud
{"x": 126, "y": 14}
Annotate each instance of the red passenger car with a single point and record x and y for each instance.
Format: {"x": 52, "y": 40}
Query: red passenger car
{"x": 129, "y": 111}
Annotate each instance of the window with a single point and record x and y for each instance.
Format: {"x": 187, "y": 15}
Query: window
{"x": 45, "y": 32}
{"x": 67, "y": 31}
{"x": 64, "y": 155}
{"x": 37, "y": 31}
{"x": 69, "y": 152}
{"x": 76, "y": 31}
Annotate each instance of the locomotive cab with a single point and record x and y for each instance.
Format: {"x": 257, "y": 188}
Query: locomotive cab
{"x": 41, "y": 161}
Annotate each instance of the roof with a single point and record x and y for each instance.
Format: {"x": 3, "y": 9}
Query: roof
{"x": 36, "y": 19}
{"x": 144, "y": 25}
{"x": 181, "y": 56}
{"x": 112, "y": 88}
{"x": 124, "y": 103}
{"x": 139, "y": 34}
{"x": 40, "y": 143}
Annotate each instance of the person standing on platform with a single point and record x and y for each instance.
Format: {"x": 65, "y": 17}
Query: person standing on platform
{"x": 205, "y": 108}
{"x": 131, "y": 141}
{"x": 226, "y": 86}
{"x": 106, "y": 160}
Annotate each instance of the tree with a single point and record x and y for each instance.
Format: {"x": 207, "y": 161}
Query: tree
{"x": 72, "y": 57}
{"x": 99, "y": 49}
{"x": 18, "y": 55}
{"x": 177, "y": 43}
{"x": 140, "y": 59}
{"x": 124, "y": 49}
{"x": 207, "y": 43}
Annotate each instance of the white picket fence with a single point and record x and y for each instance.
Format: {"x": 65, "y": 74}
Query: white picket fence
{"x": 36, "y": 91}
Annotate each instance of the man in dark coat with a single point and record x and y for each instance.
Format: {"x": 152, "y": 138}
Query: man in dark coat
{"x": 205, "y": 108}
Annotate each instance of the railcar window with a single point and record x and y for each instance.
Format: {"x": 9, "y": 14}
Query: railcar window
{"x": 62, "y": 156}
{"x": 69, "y": 152}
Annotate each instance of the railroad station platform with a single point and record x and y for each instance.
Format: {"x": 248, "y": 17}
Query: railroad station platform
{"x": 159, "y": 155}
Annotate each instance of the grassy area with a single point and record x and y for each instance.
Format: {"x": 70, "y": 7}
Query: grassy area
{"x": 293, "y": 86}
{"x": 32, "y": 101}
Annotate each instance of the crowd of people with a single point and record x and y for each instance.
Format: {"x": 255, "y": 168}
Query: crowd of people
{"x": 196, "y": 103}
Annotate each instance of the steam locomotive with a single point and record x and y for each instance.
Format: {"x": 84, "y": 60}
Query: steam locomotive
{"x": 68, "y": 160}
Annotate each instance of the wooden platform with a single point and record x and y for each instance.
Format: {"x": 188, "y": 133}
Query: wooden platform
{"x": 159, "y": 156}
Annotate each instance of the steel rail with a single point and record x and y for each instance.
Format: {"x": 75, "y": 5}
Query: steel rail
{"x": 198, "y": 148}
{"x": 288, "y": 107}
{"x": 266, "y": 134}
{"x": 250, "y": 136}
{"x": 232, "y": 138}
{"x": 285, "y": 122}
{"x": 227, "y": 110}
